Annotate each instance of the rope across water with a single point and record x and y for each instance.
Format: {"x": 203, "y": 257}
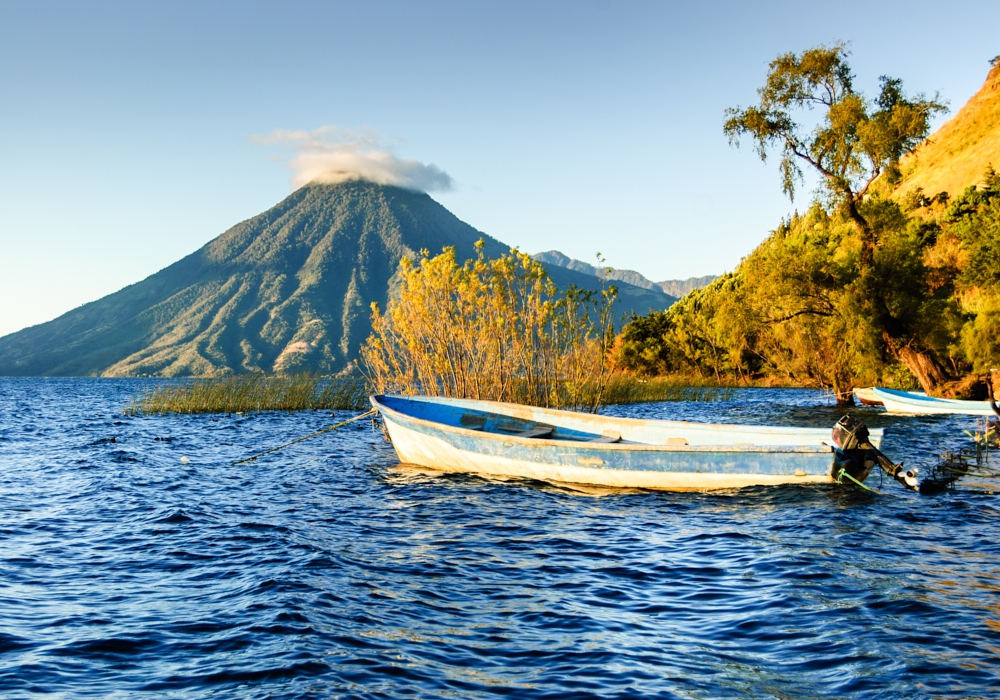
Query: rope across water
{"x": 311, "y": 435}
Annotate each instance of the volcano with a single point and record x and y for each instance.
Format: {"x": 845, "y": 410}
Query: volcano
{"x": 288, "y": 290}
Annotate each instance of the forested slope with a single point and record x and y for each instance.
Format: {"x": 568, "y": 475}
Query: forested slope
{"x": 806, "y": 308}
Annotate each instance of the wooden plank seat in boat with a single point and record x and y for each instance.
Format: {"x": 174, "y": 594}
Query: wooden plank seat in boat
{"x": 477, "y": 422}
{"x": 471, "y": 421}
{"x": 539, "y": 431}
{"x": 544, "y": 431}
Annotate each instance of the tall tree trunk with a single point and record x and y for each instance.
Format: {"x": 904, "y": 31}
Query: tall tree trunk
{"x": 898, "y": 339}
{"x": 866, "y": 233}
{"x": 844, "y": 397}
{"x": 923, "y": 365}
{"x": 992, "y": 394}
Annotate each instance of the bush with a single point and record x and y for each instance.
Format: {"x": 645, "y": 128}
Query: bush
{"x": 491, "y": 329}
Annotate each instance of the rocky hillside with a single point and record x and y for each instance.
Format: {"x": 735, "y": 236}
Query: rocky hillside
{"x": 288, "y": 290}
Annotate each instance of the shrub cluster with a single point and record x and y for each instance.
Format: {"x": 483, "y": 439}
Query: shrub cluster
{"x": 491, "y": 329}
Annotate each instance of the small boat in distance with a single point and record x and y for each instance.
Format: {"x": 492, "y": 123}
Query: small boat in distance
{"x": 913, "y": 403}
{"x": 867, "y": 397}
{"x": 511, "y": 440}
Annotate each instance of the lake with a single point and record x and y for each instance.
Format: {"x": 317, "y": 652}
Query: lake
{"x": 329, "y": 570}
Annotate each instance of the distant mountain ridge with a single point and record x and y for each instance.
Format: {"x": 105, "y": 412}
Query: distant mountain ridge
{"x": 679, "y": 288}
{"x": 287, "y": 290}
{"x": 675, "y": 288}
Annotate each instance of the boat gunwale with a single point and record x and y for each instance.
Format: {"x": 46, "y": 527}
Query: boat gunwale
{"x": 612, "y": 446}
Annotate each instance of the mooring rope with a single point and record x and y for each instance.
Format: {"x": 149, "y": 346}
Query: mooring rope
{"x": 311, "y": 435}
{"x": 843, "y": 473}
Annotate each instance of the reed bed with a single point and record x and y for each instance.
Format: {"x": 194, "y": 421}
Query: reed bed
{"x": 246, "y": 393}
{"x": 623, "y": 388}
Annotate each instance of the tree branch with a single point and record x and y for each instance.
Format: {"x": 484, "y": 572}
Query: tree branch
{"x": 864, "y": 190}
{"x": 793, "y": 147}
{"x": 803, "y": 312}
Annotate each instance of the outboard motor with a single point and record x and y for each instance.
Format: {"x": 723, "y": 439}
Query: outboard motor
{"x": 858, "y": 455}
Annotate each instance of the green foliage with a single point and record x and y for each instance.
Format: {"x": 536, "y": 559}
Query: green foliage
{"x": 980, "y": 337}
{"x": 847, "y": 312}
{"x": 801, "y": 310}
{"x": 798, "y": 311}
{"x": 972, "y": 227}
{"x": 975, "y": 220}
{"x": 642, "y": 345}
{"x": 854, "y": 143}
{"x": 855, "y": 140}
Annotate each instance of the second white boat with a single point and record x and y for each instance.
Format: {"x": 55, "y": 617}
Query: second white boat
{"x": 912, "y": 403}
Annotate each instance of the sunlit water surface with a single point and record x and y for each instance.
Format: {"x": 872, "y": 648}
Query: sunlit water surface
{"x": 328, "y": 570}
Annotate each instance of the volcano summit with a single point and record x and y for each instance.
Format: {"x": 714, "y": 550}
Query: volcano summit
{"x": 285, "y": 291}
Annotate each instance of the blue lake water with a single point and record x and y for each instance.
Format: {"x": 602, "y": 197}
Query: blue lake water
{"x": 328, "y": 570}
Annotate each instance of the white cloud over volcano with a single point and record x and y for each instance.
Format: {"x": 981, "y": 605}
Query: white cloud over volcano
{"x": 330, "y": 154}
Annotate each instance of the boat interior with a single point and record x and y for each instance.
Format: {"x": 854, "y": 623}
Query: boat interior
{"x": 551, "y": 424}
{"x": 507, "y": 425}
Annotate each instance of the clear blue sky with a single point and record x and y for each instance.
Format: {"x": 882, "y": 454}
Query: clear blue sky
{"x": 126, "y": 128}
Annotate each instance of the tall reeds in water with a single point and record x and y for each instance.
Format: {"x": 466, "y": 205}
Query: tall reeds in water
{"x": 247, "y": 393}
{"x": 498, "y": 329}
{"x": 625, "y": 387}
{"x": 491, "y": 329}
{"x": 251, "y": 392}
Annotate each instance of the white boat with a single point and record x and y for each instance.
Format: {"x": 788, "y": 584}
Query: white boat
{"x": 913, "y": 403}
{"x": 511, "y": 440}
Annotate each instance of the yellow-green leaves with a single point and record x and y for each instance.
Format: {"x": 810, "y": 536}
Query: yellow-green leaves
{"x": 490, "y": 329}
{"x": 811, "y": 113}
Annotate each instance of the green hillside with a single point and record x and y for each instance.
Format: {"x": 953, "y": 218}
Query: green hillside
{"x": 881, "y": 287}
{"x": 287, "y": 290}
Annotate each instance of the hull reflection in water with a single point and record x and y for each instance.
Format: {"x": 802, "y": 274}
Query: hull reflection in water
{"x": 500, "y": 439}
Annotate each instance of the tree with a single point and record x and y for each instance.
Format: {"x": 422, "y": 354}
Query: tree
{"x": 854, "y": 143}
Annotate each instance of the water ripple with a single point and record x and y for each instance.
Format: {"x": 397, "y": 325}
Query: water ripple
{"x": 329, "y": 570}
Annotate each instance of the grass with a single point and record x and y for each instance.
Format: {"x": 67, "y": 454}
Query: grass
{"x": 628, "y": 388}
{"x": 245, "y": 393}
